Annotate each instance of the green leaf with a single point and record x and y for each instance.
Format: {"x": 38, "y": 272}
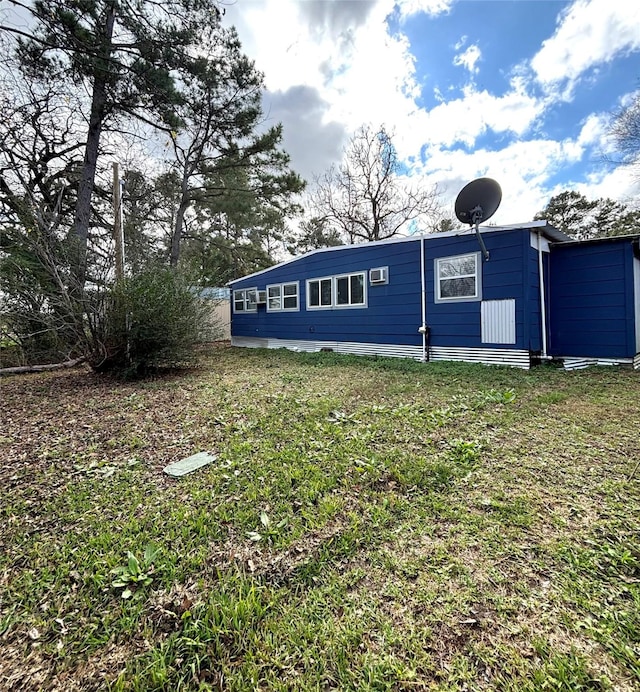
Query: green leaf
{"x": 150, "y": 551}
{"x": 133, "y": 564}
{"x": 264, "y": 519}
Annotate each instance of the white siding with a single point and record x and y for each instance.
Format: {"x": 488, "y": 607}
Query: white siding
{"x": 221, "y": 318}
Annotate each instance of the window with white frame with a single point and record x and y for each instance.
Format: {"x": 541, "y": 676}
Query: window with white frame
{"x": 458, "y": 278}
{"x": 344, "y": 291}
{"x": 320, "y": 293}
{"x": 245, "y": 300}
{"x": 350, "y": 289}
{"x": 282, "y": 297}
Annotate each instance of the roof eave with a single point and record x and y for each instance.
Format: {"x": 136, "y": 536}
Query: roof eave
{"x": 543, "y": 227}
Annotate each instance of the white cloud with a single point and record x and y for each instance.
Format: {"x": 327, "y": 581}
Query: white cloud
{"x": 618, "y": 184}
{"x": 409, "y": 8}
{"x": 468, "y": 59}
{"x": 523, "y": 170}
{"x": 379, "y": 81}
{"x": 359, "y": 73}
{"x": 465, "y": 119}
{"x": 282, "y": 45}
{"x": 339, "y": 67}
{"x": 594, "y": 130}
{"x": 342, "y": 59}
{"x": 589, "y": 33}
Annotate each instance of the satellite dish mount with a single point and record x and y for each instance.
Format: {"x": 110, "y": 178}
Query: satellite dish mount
{"x": 477, "y": 202}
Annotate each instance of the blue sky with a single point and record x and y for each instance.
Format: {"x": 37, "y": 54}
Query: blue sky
{"x": 519, "y": 90}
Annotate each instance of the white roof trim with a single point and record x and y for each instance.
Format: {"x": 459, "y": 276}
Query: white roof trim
{"x": 544, "y": 226}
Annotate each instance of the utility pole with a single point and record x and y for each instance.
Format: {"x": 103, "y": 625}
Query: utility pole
{"x": 118, "y": 229}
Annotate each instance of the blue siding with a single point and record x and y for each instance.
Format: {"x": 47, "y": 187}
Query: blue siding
{"x": 589, "y": 293}
{"x": 592, "y": 300}
{"x": 458, "y": 324}
{"x": 392, "y": 315}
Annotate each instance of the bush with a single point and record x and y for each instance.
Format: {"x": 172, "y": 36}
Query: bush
{"x": 31, "y": 342}
{"x": 155, "y": 319}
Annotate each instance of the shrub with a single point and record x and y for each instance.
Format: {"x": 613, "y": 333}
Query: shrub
{"x": 154, "y": 319}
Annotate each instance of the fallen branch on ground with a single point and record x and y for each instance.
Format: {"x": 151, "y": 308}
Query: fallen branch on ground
{"x": 20, "y": 369}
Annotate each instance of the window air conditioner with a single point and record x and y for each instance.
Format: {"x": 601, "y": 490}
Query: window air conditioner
{"x": 378, "y": 276}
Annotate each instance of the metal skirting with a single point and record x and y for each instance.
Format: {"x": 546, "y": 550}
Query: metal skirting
{"x": 349, "y": 347}
{"x": 517, "y": 358}
{"x": 487, "y": 356}
{"x": 569, "y": 363}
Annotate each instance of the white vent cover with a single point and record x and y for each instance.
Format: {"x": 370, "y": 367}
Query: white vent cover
{"x": 498, "y": 321}
{"x": 379, "y": 275}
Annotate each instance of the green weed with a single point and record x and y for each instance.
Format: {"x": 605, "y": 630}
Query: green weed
{"x": 135, "y": 574}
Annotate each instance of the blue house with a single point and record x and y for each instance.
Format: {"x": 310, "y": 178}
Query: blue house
{"x": 537, "y": 295}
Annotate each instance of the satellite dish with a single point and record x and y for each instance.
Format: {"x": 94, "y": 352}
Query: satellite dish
{"x": 477, "y": 202}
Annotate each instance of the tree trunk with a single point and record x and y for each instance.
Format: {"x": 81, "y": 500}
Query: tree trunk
{"x": 177, "y": 234}
{"x": 176, "y": 238}
{"x": 82, "y": 216}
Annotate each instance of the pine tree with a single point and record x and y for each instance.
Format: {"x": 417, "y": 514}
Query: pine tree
{"x": 582, "y": 218}
{"x": 126, "y": 55}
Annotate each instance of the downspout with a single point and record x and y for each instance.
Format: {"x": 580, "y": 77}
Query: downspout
{"x": 423, "y": 329}
{"x": 636, "y": 298}
{"x": 543, "y": 303}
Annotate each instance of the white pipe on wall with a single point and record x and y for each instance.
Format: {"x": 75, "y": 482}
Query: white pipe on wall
{"x": 423, "y": 328}
{"x": 543, "y": 309}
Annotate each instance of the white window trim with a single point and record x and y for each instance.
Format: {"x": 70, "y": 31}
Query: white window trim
{"x": 477, "y": 275}
{"x": 319, "y": 279}
{"x": 348, "y": 276}
{"x": 282, "y": 297}
{"x": 334, "y": 292}
{"x": 244, "y": 299}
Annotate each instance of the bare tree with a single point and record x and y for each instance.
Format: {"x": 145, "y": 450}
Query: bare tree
{"x": 364, "y": 197}
{"x": 39, "y": 157}
{"x": 625, "y": 130}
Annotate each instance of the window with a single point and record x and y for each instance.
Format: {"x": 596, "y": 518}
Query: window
{"x": 320, "y": 293}
{"x": 245, "y": 300}
{"x": 458, "y": 278}
{"x": 274, "y": 298}
{"x": 343, "y": 291}
{"x": 290, "y": 296}
{"x": 282, "y": 297}
{"x": 350, "y": 289}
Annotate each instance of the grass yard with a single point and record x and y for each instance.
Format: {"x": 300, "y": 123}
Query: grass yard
{"x": 369, "y": 524}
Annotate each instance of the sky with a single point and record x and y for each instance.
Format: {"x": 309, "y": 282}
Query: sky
{"x": 521, "y": 91}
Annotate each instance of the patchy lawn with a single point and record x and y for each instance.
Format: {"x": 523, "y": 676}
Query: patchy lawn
{"x": 368, "y": 525}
